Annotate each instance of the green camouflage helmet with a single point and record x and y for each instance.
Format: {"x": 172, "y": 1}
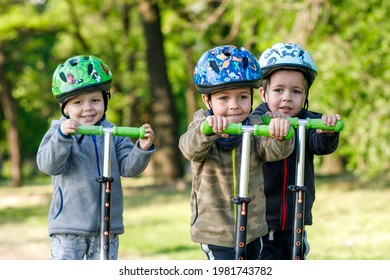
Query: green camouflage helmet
{"x": 80, "y": 74}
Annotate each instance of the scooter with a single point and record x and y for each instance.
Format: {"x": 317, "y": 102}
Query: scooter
{"x": 242, "y": 200}
{"x": 299, "y": 188}
{"x": 106, "y": 179}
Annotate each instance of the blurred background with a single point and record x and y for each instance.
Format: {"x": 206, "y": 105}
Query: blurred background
{"x": 152, "y": 46}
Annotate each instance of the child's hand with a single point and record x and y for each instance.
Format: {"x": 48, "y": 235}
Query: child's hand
{"x": 278, "y": 128}
{"x": 275, "y": 115}
{"x": 218, "y": 123}
{"x": 147, "y": 142}
{"x": 69, "y": 126}
{"x": 329, "y": 120}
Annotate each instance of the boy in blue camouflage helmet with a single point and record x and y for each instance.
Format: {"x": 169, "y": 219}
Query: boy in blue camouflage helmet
{"x": 226, "y": 77}
{"x": 288, "y": 73}
{"x": 81, "y": 85}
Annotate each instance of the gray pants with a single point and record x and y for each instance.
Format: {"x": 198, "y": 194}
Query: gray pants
{"x": 76, "y": 247}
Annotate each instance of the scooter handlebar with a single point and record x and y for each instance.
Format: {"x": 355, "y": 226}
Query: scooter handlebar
{"x": 132, "y": 132}
{"x": 310, "y": 123}
{"x": 238, "y": 128}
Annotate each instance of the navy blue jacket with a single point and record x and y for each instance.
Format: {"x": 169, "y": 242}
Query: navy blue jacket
{"x": 281, "y": 174}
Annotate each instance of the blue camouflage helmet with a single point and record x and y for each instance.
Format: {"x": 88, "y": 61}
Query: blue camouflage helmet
{"x": 288, "y": 56}
{"x": 226, "y": 67}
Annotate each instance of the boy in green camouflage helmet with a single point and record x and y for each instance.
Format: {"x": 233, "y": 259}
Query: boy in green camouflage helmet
{"x": 81, "y": 85}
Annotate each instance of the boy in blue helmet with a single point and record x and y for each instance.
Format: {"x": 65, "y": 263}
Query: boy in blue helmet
{"x": 288, "y": 72}
{"x": 81, "y": 86}
{"x": 226, "y": 77}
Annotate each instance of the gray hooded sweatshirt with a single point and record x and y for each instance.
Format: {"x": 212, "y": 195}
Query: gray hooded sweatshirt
{"x": 75, "y": 163}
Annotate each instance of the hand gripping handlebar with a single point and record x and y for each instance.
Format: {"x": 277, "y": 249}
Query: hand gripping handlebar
{"x": 238, "y": 128}
{"x": 309, "y": 123}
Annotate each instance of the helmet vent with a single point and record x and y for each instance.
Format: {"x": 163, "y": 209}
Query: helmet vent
{"x": 74, "y": 62}
{"x": 90, "y": 68}
{"x": 246, "y": 62}
{"x": 63, "y": 77}
{"x": 214, "y": 65}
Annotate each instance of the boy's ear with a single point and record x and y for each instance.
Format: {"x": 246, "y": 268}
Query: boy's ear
{"x": 262, "y": 94}
{"x": 206, "y": 100}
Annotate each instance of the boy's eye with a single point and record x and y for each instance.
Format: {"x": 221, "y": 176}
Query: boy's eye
{"x": 278, "y": 90}
{"x": 223, "y": 98}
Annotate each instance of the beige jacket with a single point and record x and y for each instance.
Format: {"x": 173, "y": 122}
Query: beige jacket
{"x": 215, "y": 181}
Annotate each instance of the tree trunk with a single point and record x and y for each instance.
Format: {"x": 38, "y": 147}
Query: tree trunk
{"x": 9, "y": 109}
{"x": 190, "y": 92}
{"x": 166, "y": 161}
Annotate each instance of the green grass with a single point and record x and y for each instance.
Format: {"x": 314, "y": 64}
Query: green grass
{"x": 350, "y": 223}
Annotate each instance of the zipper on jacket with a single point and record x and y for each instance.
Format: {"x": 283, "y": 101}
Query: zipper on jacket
{"x": 234, "y": 181}
{"x": 96, "y": 153}
{"x": 284, "y": 194}
{"x": 100, "y": 185}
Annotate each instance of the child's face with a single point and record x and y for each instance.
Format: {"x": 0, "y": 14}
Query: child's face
{"x": 86, "y": 109}
{"x": 286, "y": 92}
{"x": 234, "y": 104}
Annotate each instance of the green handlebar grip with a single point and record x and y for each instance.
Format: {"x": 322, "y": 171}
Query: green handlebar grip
{"x": 236, "y": 128}
{"x": 232, "y": 128}
{"x": 310, "y": 123}
{"x": 90, "y": 130}
{"x": 318, "y": 124}
{"x": 132, "y": 132}
{"x": 266, "y": 119}
{"x": 263, "y": 130}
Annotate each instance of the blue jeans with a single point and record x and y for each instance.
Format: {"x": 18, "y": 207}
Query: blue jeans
{"x": 78, "y": 247}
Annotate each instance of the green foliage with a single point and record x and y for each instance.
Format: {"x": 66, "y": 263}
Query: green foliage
{"x": 352, "y": 60}
{"x": 349, "y": 42}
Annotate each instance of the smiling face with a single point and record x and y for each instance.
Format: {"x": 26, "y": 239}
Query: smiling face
{"x": 86, "y": 109}
{"x": 234, "y": 104}
{"x": 286, "y": 92}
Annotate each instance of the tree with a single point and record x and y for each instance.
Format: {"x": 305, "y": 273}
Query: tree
{"x": 18, "y": 33}
{"x": 9, "y": 109}
{"x": 153, "y": 59}
{"x": 166, "y": 161}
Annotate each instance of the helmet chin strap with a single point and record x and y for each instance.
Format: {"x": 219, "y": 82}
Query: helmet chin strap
{"x": 62, "y": 110}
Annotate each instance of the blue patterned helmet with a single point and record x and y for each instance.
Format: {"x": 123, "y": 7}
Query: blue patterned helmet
{"x": 226, "y": 67}
{"x": 287, "y": 56}
{"x": 80, "y": 74}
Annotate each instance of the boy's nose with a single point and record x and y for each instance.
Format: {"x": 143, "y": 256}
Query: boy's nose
{"x": 87, "y": 106}
{"x": 287, "y": 95}
{"x": 233, "y": 103}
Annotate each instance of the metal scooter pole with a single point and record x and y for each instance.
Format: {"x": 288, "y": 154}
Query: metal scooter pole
{"x": 106, "y": 179}
{"x": 299, "y": 189}
{"x": 242, "y": 200}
